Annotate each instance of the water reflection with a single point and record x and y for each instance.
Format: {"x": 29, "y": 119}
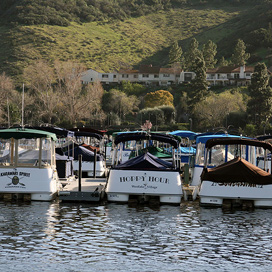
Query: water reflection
{"x": 58, "y": 236}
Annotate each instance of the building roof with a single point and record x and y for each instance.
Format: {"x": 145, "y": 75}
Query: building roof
{"x": 149, "y": 69}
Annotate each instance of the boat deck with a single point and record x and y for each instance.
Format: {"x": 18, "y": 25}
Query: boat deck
{"x": 92, "y": 190}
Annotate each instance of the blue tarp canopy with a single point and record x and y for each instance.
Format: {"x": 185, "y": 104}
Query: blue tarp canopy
{"x": 183, "y": 133}
{"x": 145, "y": 161}
{"x": 187, "y": 150}
{"x": 87, "y": 155}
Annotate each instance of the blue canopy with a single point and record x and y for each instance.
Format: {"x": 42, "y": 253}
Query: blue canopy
{"x": 145, "y": 161}
{"x": 183, "y": 133}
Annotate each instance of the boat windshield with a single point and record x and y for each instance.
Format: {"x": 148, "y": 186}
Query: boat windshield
{"x": 26, "y": 152}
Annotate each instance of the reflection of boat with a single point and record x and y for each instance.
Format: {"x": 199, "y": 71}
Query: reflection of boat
{"x": 28, "y": 165}
{"x": 235, "y": 178}
{"x": 145, "y": 176}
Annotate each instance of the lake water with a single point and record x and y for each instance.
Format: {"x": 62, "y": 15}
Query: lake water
{"x": 57, "y": 236}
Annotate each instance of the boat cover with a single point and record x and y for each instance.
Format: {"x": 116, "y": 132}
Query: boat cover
{"x": 64, "y": 166}
{"x": 87, "y": 155}
{"x": 145, "y": 161}
{"x": 187, "y": 150}
{"x": 236, "y": 171}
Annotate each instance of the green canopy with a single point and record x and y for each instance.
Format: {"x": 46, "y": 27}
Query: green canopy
{"x": 24, "y": 133}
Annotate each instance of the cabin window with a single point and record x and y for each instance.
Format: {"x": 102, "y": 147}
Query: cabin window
{"x": 105, "y": 76}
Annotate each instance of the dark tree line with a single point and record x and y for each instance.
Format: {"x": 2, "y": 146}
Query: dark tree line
{"x": 62, "y": 12}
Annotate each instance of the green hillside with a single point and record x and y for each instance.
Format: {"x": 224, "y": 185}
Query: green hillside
{"x": 110, "y": 44}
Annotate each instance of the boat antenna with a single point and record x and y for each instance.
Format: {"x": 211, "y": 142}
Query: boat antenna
{"x": 23, "y": 105}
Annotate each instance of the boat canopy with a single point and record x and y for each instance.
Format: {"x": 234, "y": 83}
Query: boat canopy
{"x": 138, "y": 136}
{"x": 205, "y": 138}
{"x": 237, "y": 141}
{"x": 25, "y": 133}
{"x": 145, "y": 161}
{"x": 236, "y": 171}
{"x": 60, "y": 132}
{"x": 88, "y": 134}
{"x": 183, "y": 133}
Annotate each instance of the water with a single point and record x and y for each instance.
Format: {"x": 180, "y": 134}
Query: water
{"x": 68, "y": 237}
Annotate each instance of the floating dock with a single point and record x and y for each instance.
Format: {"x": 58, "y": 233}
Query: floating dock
{"x": 89, "y": 190}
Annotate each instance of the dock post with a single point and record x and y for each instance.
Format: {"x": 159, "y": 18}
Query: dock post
{"x": 80, "y": 172}
{"x": 94, "y": 167}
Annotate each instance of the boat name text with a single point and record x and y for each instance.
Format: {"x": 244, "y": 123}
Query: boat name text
{"x": 237, "y": 184}
{"x": 15, "y": 173}
{"x": 144, "y": 179}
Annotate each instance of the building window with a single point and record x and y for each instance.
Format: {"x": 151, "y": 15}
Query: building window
{"x": 145, "y": 75}
{"x": 124, "y": 75}
{"x": 135, "y": 76}
{"x": 114, "y": 76}
{"x": 236, "y": 76}
{"x": 166, "y": 75}
{"x": 156, "y": 76}
{"x": 247, "y": 75}
{"x": 187, "y": 77}
{"x": 105, "y": 76}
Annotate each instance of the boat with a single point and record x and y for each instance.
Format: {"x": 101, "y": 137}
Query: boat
{"x": 237, "y": 179}
{"x": 28, "y": 165}
{"x": 186, "y": 150}
{"x": 145, "y": 176}
{"x": 200, "y": 141}
{"x": 93, "y": 162}
{"x": 64, "y": 163}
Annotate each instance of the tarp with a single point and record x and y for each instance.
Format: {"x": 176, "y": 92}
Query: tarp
{"x": 187, "y": 150}
{"x": 64, "y": 166}
{"x": 236, "y": 171}
{"x": 60, "y": 132}
{"x": 87, "y": 155}
{"x": 145, "y": 161}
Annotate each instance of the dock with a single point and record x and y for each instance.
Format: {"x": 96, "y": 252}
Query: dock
{"x": 90, "y": 190}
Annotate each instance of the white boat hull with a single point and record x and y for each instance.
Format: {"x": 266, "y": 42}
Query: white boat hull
{"x": 213, "y": 194}
{"x": 166, "y": 185}
{"x": 88, "y": 167}
{"x": 41, "y": 184}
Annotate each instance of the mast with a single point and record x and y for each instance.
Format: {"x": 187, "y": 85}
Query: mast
{"x": 23, "y": 105}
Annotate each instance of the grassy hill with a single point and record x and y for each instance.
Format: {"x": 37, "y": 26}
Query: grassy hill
{"x": 109, "y": 45}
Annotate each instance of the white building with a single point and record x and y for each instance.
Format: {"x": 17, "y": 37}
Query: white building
{"x": 148, "y": 74}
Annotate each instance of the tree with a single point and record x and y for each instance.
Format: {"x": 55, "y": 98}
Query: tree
{"x": 40, "y": 80}
{"x": 175, "y": 53}
{"x": 223, "y": 62}
{"x": 260, "y": 103}
{"x": 76, "y": 101}
{"x": 116, "y": 101}
{"x": 9, "y": 101}
{"x": 209, "y": 51}
{"x": 158, "y": 98}
{"x": 191, "y": 54}
{"x": 239, "y": 57}
{"x": 199, "y": 85}
{"x": 213, "y": 111}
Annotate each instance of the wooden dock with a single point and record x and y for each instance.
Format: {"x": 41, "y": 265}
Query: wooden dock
{"x": 92, "y": 190}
